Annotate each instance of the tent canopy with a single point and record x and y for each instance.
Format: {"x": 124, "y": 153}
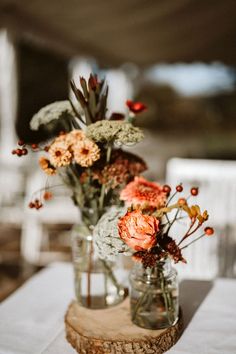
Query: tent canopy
{"x": 144, "y": 32}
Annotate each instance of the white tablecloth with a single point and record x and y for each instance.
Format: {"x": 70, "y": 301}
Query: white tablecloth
{"x": 32, "y": 319}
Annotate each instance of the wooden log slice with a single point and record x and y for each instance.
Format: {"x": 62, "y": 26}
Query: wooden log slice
{"x": 111, "y": 331}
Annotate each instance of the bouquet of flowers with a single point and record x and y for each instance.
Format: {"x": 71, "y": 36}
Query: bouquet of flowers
{"x": 87, "y": 154}
{"x": 143, "y": 229}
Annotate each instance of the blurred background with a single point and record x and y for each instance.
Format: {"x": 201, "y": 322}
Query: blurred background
{"x": 178, "y": 57}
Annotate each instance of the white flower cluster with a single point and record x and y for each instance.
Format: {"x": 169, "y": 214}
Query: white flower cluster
{"x": 108, "y": 244}
{"x": 53, "y": 111}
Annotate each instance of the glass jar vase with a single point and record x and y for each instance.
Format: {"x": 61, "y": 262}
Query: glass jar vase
{"x": 98, "y": 283}
{"x": 154, "y": 295}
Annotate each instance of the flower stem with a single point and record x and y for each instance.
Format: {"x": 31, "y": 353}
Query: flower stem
{"x": 198, "y": 238}
{"x": 89, "y": 276}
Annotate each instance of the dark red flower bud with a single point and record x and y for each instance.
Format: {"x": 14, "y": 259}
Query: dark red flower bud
{"x": 136, "y": 107}
{"x": 194, "y": 191}
{"x": 179, "y": 188}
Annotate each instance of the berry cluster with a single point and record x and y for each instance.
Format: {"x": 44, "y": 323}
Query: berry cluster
{"x": 21, "y": 150}
{"x": 36, "y": 204}
{"x": 167, "y": 189}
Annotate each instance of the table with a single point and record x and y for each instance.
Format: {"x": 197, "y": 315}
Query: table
{"x": 32, "y": 319}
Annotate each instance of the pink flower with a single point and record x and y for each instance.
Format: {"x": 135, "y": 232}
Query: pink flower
{"x": 138, "y": 231}
{"x": 140, "y": 192}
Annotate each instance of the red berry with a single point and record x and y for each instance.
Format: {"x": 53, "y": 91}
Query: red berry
{"x": 34, "y": 146}
{"x": 194, "y": 191}
{"x": 31, "y": 205}
{"x": 38, "y": 206}
{"x": 209, "y": 231}
{"x": 13, "y": 152}
{"x": 179, "y": 188}
{"x": 18, "y": 152}
{"x": 21, "y": 142}
{"x": 24, "y": 151}
{"x": 166, "y": 189}
{"x": 46, "y": 148}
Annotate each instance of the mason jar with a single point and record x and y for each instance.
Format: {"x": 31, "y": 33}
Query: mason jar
{"x": 154, "y": 295}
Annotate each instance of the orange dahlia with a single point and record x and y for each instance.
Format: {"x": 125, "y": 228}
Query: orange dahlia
{"x": 142, "y": 192}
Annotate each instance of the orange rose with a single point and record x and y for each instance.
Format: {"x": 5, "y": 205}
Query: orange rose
{"x": 138, "y": 231}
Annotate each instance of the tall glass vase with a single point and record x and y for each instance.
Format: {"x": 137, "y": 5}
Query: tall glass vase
{"x": 98, "y": 283}
{"x": 154, "y": 297}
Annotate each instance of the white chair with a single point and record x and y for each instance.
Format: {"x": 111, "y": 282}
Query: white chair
{"x": 216, "y": 180}
{"x": 12, "y": 188}
{"x": 59, "y": 210}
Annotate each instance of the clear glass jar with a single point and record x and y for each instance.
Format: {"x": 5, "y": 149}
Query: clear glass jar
{"x": 154, "y": 295}
{"x": 98, "y": 283}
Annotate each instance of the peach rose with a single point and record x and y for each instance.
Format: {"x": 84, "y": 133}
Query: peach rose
{"x": 138, "y": 231}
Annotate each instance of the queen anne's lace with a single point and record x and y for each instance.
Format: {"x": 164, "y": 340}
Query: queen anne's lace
{"x": 120, "y": 132}
{"x": 108, "y": 243}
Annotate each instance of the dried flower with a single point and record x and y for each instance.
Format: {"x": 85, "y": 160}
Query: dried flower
{"x": 59, "y": 153}
{"x": 138, "y": 231}
{"x": 142, "y": 192}
{"x": 53, "y": 111}
{"x": 149, "y": 258}
{"x": 194, "y": 212}
{"x": 123, "y": 167}
{"x": 169, "y": 245}
{"x": 74, "y": 136}
{"x": 107, "y": 240}
{"x": 46, "y": 166}
{"x": 86, "y": 152}
{"x": 119, "y": 132}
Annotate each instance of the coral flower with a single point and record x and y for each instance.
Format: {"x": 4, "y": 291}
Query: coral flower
{"x": 60, "y": 154}
{"x": 46, "y": 166}
{"x": 86, "y": 152}
{"x": 138, "y": 231}
{"x": 136, "y": 107}
{"x": 141, "y": 192}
